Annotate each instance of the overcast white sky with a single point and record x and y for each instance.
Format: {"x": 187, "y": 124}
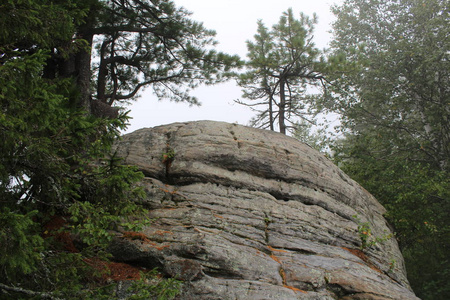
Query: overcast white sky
{"x": 235, "y": 23}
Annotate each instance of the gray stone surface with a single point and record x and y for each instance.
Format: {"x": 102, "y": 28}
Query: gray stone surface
{"x": 242, "y": 213}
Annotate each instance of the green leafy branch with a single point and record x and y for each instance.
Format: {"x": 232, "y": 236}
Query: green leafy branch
{"x": 365, "y": 234}
{"x": 168, "y": 156}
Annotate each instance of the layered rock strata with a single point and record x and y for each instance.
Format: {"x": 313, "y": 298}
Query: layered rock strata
{"x": 242, "y": 213}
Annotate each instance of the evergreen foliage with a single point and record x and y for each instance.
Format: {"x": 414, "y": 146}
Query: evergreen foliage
{"x": 394, "y": 102}
{"x": 50, "y": 168}
{"x": 388, "y": 78}
{"x": 58, "y": 176}
{"x": 141, "y": 43}
{"x": 283, "y": 65}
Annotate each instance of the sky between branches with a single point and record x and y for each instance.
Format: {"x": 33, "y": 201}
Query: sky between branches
{"x": 235, "y": 23}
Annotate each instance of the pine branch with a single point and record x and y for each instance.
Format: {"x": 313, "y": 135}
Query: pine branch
{"x": 28, "y": 292}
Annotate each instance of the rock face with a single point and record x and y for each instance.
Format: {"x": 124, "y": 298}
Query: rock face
{"x": 242, "y": 213}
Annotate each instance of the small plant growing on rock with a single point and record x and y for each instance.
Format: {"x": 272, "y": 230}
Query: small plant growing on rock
{"x": 167, "y": 159}
{"x": 392, "y": 264}
{"x": 168, "y": 156}
{"x": 365, "y": 234}
{"x": 152, "y": 286}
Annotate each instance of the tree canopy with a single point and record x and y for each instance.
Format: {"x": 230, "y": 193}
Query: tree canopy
{"x": 394, "y": 102}
{"x": 283, "y": 66}
{"x": 402, "y": 48}
{"x": 63, "y": 63}
{"x": 141, "y": 43}
{"x": 115, "y": 48}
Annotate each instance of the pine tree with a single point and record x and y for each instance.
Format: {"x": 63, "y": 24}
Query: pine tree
{"x": 283, "y": 66}
{"x": 58, "y": 176}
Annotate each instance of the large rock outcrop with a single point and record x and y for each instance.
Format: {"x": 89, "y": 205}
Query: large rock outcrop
{"x": 242, "y": 213}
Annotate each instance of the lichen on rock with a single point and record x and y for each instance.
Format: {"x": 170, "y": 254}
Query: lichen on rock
{"x": 244, "y": 213}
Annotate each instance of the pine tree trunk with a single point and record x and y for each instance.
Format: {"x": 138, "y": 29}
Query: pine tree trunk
{"x": 83, "y": 70}
{"x": 271, "y": 120}
{"x": 282, "y": 108}
{"x": 83, "y": 59}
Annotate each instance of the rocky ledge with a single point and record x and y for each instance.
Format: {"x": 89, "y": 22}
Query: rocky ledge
{"x": 242, "y": 213}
